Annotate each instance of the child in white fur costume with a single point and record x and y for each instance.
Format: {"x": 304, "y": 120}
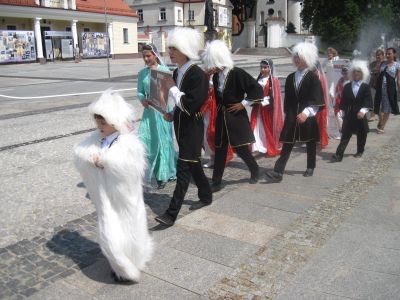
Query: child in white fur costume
{"x": 111, "y": 162}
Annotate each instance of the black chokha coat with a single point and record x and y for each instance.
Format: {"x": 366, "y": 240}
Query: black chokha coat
{"x": 238, "y": 85}
{"x": 309, "y": 93}
{"x": 188, "y": 121}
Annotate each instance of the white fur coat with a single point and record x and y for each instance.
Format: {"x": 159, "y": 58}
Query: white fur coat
{"x": 117, "y": 193}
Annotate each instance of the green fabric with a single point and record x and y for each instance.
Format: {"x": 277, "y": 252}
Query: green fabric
{"x": 156, "y": 134}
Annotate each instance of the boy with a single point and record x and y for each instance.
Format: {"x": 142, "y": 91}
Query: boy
{"x": 111, "y": 162}
{"x": 355, "y": 103}
{"x": 188, "y": 90}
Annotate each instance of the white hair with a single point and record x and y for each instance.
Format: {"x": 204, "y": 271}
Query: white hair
{"x": 186, "y": 40}
{"x": 360, "y": 65}
{"x": 115, "y": 110}
{"x": 217, "y": 55}
{"x": 307, "y": 52}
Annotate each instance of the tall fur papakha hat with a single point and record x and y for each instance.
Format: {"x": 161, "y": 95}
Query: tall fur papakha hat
{"x": 217, "y": 55}
{"x": 307, "y": 52}
{"x": 360, "y": 65}
{"x": 186, "y": 40}
{"x": 115, "y": 110}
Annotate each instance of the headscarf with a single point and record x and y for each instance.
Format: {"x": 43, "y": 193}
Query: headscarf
{"x": 154, "y": 50}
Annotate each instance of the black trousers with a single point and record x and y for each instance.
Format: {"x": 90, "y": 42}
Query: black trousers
{"x": 220, "y": 159}
{"x": 344, "y": 141}
{"x": 285, "y": 154}
{"x": 186, "y": 170}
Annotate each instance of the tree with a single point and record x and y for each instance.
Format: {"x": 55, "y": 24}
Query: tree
{"x": 290, "y": 28}
{"x": 337, "y": 22}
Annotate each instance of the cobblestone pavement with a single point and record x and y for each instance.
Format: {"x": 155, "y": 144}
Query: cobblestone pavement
{"x": 276, "y": 264}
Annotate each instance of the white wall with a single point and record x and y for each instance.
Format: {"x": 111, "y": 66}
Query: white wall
{"x": 118, "y": 38}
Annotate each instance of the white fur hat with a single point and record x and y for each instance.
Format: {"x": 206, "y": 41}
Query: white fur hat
{"x": 186, "y": 40}
{"x": 360, "y": 65}
{"x": 217, "y": 55}
{"x": 115, "y": 110}
{"x": 307, "y": 52}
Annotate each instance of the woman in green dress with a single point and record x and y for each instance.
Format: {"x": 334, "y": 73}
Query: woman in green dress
{"x": 154, "y": 131}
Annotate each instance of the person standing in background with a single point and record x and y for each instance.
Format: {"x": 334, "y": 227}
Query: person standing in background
{"x": 375, "y": 68}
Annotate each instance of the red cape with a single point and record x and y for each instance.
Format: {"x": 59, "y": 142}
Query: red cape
{"x": 272, "y": 118}
{"x": 322, "y": 115}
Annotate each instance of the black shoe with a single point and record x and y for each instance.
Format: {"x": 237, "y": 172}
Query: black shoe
{"x": 337, "y": 158}
{"x": 273, "y": 176}
{"x": 358, "y": 154}
{"x": 199, "y": 205}
{"x": 161, "y": 185}
{"x": 253, "y": 179}
{"x": 165, "y": 219}
{"x": 119, "y": 279}
{"x": 308, "y": 173}
{"x": 216, "y": 187}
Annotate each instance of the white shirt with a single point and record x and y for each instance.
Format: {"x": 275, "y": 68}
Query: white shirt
{"x": 174, "y": 94}
{"x": 107, "y": 141}
{"x": 355, "y": 86}
{"x": 263, "y": 82}
{"x": 309, "y": 111}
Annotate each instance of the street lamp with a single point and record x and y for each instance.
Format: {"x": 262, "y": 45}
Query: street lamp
{"x": 108, "y": 36}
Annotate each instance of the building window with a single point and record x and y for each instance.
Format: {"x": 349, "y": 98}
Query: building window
{"x": 191, "y": 15}
{"x": 163, "y": 14}
{"x": 261, "y": 17}
{"x": 280, "y": 13}
{"x": 11, "y": 27}
{"x": 271, "y": 12}
{"x": 67, "y": 28}
{"x": 86, "y": 29}
{"x": 140, "y": 14}
{"x": 126, "y": 40}
{"x": 270, "y": 2}
{"x": 179, "y": 15}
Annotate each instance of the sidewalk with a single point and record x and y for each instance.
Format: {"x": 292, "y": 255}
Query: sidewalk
{"x": 335, "y": 235}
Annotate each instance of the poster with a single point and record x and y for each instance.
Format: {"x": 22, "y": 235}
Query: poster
{"x": 158, "y": 96}
{"x": 67, "y": 49}
{"x": 17, "y": 46}
{"x": 53, "y": 3}
{"x": 223, "y": 16}
{"x": 94, "y": 44}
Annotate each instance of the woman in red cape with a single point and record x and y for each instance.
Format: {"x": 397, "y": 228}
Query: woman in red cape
{"x": 267, "y": 117}
{"x": 209, "y": 112}
{"x": 322, "y": 114}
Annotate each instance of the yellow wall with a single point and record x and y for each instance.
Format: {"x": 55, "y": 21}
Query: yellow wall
{"x": 118, "y": 37}
{"x": 22, "y": 24}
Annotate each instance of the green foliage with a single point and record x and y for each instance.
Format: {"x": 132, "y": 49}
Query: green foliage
{"x": 291, "y": 28}
{"x": 339, "y": 23}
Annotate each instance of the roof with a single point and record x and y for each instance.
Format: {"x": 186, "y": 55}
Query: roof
{"x": 114, "y": 7}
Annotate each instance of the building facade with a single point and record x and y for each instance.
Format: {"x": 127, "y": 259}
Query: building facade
{"x": 158, "y": 17}
{"x": 42, "y": 30}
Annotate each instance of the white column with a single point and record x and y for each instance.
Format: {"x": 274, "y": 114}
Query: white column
{"x": 74, "y": 32}
{"x": 37, "y": 2}
{"x": 251, "y": 33}
{"x": 110, "y": 36}
{"x": 66, "y": 4}
{"x": 73, "y": 4}
{"x": 38, "y": 38}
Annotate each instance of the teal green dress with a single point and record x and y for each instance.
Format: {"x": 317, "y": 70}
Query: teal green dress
{"x": 156, "y": 134}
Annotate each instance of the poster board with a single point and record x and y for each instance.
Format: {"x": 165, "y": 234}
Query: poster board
{"x": 158, "y": 96}
{"x": 94, "y": 44}
{"x": 223, "y": 16}
{"x": 17, "y": 46}
{"x": 67, "y": 49}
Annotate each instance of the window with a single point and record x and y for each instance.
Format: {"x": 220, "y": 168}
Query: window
{"x": 126, "y": 40}
{"x": 191, "y": 15}
{"x": 261, "y": 17}
{"x": 179, "y": 15}
{"x": 86, "y": 29}
{"x": 140, "y": 14}
{"x": 67, "y": 28}
{"x": 270, "y": 2}
{"x": 11, "y": 27}
{"x": 163, "y": 14}
{"x": 271, "y": 12}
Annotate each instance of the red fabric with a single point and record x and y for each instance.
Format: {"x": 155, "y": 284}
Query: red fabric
{"x": 272, "y": 118}
{"x": 211, "y": 106}
{"x": 338, "y": 94}
{"x": 322, "y": 114}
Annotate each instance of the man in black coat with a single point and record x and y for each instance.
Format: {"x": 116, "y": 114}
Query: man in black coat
{"x": 231, "y": 85}
{"x": 188, "y": 90}
{"x": 303, "y": 99}
{"x": 356, "y": 102}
